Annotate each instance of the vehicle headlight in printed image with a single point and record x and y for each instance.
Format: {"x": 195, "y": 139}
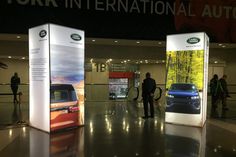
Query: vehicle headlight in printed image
{"x": 195, "y": 97}
{"x": 170, "y": 96}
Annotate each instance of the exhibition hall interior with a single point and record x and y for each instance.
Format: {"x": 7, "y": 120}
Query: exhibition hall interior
{"x": 75, "y": 78}
{"x": 113, "y": 119}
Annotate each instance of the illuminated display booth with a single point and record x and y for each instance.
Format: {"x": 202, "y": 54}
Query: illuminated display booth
{"x": 56, "y": 59}
{"x": 186, "y": 80}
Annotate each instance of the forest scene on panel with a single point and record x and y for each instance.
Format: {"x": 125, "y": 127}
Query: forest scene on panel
{"x": 185, "y": 67}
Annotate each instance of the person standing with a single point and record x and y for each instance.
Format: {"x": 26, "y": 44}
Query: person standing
{"x": 215, "y": 90}
{"x": 148, "y": 89}
{"x": 225, "y": 92}
{"x": 15, "y": 81}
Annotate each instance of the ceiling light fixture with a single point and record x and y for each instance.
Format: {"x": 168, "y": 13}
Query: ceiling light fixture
{"x": 9, "y": 56}
{"x": 93, "y": 40}
{"x": 18, "y": 37}
{"x": 109, "y": 60}
{"x": 138, "y": 42}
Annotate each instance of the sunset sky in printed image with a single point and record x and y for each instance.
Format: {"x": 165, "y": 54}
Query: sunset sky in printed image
{"x": 67, "y": 64}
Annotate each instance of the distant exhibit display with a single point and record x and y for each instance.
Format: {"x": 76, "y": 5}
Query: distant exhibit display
{"x": 56, "y": 59}
{"x": 186, "y": 78}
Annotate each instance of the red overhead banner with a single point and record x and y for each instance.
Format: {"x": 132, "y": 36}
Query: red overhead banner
{"x": 121, "y": 74}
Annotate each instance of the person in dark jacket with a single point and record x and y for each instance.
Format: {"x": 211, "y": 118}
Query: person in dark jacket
{"x": 215, "y": 88}
{"x": 148, "y": 89}
{"x": 15, "y": 81}
{"x": 215, "y": 91}
{"x": 225, "y": 92}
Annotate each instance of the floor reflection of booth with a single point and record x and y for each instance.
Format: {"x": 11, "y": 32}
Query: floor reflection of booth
{"x": 66, "y": 143}
{"x": 185, "y": 140}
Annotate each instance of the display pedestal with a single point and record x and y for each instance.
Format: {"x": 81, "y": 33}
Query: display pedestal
{"x": 56, "y": 65}
{"x": 186, "y": 80}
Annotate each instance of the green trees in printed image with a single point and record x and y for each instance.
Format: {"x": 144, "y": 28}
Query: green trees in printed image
{"x": 185, "y": 67}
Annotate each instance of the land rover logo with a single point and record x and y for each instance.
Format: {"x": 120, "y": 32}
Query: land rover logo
{"x": 75, "y": 37}
{"x": 42, "y": 33}
{"x": 193, "y": 40}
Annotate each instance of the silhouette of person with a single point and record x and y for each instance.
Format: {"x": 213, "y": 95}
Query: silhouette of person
{"x": 148, "y": 89}
{"x": 15, "y": 81}
{"x": 215, "y": 91}
{"x": 214, "y": 85}
{"x": 225, "y": 92}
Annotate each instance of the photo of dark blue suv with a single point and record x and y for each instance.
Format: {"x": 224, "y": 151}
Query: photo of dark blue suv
{"x": 183, "y": 98}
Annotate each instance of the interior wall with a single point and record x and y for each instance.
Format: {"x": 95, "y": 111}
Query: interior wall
{"x": 96, "y": 84}
{"x": 125, "y": 52}
{"x": 230, "y": 71}
{"x": 15, "y": 65}
{"x": 157, "y": 71}
{"x": 213, "y": 69}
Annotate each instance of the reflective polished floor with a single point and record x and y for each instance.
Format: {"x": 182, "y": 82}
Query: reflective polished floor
{"x": 116, "y": 129}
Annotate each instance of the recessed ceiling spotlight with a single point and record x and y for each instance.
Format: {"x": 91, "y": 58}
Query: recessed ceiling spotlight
{"x": 128, "y": 60}
{"x": 116, "y": 41}
{"x": 109, "y": 60}
{"x": 220, "y": 44}
{"x": 141, "y": 61}
{"x": 138, "y": 42}
{"x": 9, "y": 56}
{"x": 93, "y": 40}
{"x": 18, "y": 37}
{"x": 159, "y": 43}
{"x": 223, "y": 46}
{"x": 215, "y": 62}
{"x": 23, "y": 58}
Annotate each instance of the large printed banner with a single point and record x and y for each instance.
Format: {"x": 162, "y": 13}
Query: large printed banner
{"x": 186, "y": 80}
{"x": 56, "y": 56}
{"x": 125, "y": 19}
